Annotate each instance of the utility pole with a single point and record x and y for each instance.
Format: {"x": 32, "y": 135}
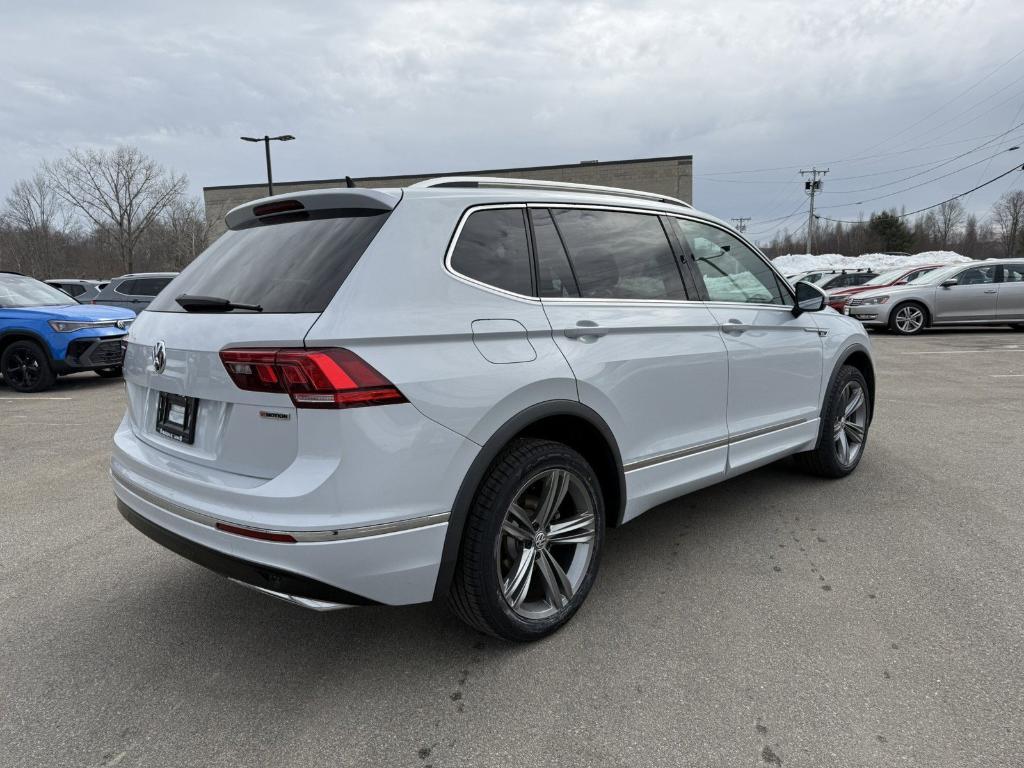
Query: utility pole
{"x": 741, "y": 223}
{"x": 812, "y": 187}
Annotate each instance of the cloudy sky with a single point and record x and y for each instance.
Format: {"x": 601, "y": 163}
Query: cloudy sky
{"x": 880, "y": 92}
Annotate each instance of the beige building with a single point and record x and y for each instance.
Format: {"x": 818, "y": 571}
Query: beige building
{"x": 663, "y": 175}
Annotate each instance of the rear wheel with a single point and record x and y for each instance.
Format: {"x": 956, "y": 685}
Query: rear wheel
{"x": 26, "y": 367}
{"x": 109, "y": 373}
{"x": 844, "y": 427}
{"x": 532, "y": 542}
{"x": 908, "y": 318}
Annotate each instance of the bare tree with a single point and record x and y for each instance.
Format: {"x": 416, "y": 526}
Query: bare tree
{"x": 951, "y": 215}
{"x": 122, "y": 192}
{"x": 189, "y": 230}
{"x": 36, "y": 219}
{"x": 1008, "y": 219}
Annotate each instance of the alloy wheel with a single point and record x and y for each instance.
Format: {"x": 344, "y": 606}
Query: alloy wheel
{"x": 22, "y": 369}
{"x": 546, "y": 543}
{"x": 909, "y": 319}
{"x": 851, "y": 425}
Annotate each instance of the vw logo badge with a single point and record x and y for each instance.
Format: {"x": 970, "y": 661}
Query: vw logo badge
{"x": 159, "y": 357}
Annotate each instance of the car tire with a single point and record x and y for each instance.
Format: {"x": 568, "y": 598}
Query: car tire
{"x": 531, "y": 544}
{"x": 110, "y": 373}
{"x": 26, "y": 367}
{"x": 845, "y": 421}
{"x": 1017, "y": 326}
{"x": 908, "y": 318}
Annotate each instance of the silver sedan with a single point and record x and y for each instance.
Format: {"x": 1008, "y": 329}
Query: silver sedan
{"x": 980, "y": 292}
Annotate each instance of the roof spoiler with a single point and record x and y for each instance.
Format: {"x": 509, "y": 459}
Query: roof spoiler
{"x": 314, "y": 200}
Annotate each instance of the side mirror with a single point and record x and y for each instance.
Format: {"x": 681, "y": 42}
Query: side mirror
{"x": 949, "y": 283}
{"x": 809, "y": 298}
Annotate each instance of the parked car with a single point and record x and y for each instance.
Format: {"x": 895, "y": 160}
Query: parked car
{"x": 981, "y": 292}
{"x": 837, "y": 298}
{"x": 92, "y": 293}
{"x": 44, "y": 333}
{"x": 828, "y": 279}
{"x": 73, "y": 287}
{"x": 361, "y": 396}
{"x": 134, "y": 291}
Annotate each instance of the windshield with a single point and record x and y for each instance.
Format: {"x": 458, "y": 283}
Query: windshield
{"x": 936, "y": 275}
{"x": 18, "y": 291}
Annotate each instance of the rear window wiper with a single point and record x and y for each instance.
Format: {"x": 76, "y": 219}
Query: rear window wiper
{"x": 212, "y": 304}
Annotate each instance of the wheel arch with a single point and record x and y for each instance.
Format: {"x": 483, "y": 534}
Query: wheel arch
{"x": 12, "y": 335}
{"x": 857, "y": 356}
{"x": 566, "y": 421}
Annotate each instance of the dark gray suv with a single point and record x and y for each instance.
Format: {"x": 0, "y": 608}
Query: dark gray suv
{"x": 134, "y": 291}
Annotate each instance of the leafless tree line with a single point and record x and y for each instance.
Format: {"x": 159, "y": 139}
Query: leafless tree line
{"x": 98, "y": 213}
{"x": 948, "y": 227}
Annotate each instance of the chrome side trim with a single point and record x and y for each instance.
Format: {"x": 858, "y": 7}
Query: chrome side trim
{"x": 709, "y": 446}
{"x": 673, "y": 455}
{"x": 334, "y": 534}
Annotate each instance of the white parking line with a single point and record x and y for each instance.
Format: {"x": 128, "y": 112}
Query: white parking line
{"x": 1005, "y": 375}
{"x": 19, "y": 399}
{"x": 964, "y": 351}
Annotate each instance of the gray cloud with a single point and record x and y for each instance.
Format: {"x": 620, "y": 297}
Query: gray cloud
{"x": 380, "y": 88}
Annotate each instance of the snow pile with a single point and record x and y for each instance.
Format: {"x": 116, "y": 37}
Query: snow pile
{"x": 801, "y": 262}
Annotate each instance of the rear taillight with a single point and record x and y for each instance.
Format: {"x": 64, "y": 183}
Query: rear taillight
{"x": 314, "y": 378}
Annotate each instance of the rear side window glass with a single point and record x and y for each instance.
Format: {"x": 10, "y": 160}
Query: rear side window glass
{"x": 1013, "y": 273}
{"x": 555, "y": 277}
{"x": 150, "y": 286}
{"x": 492, "y": 249}
{"x": 289, "y": 267}
{"x": 619, "y": 255}
{"x": 126, "y": 287}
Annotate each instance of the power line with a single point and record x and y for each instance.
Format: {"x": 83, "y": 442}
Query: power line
{"x": 936, "y": 205}
{"x": 946, "y": 104}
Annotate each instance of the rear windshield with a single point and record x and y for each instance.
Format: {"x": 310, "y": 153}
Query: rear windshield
{"x": 291, "y": 267}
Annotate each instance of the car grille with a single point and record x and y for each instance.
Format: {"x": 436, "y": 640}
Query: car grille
{"x": 107, "y": 353}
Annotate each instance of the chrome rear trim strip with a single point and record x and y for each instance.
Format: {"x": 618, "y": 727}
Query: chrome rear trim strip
{"x": 334, "y": 534}
{"x": 304, "y": 602}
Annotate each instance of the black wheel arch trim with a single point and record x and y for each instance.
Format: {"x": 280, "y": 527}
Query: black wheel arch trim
{"x": 489, "y": 452}
{"x": 24, "y": 332}
{"x": 842, "y": 359}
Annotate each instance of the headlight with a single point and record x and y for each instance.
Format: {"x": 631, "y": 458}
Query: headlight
{"x": 63, "y": 326}
{"x": 875, "y": 300}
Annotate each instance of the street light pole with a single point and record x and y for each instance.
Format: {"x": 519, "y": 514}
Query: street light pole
{"x": 266, "y": 144}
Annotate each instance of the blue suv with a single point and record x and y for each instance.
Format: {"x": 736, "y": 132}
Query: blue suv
{"x": 45, "y": 333}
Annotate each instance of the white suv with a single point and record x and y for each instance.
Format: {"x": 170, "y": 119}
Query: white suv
{"x": 362, "y": 396}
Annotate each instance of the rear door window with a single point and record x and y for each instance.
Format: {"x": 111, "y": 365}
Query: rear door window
{"x": 292, "y": 266}
{"x": 493, "y": 249}
{"x": 126, "y": 288}
{"x": 619, "y": 255}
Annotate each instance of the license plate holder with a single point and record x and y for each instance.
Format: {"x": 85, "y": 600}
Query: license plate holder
{"x": 176, "y": 417}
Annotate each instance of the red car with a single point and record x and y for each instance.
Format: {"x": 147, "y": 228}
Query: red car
{"x": 837, "y": 299}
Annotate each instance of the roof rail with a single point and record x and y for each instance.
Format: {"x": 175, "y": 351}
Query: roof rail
{"x": 556, "y": 186}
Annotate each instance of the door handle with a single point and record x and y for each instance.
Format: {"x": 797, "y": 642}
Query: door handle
{"x": 993, "y": 290}
{"x": 585, "y": 329}
{"x": 734, "y": 326}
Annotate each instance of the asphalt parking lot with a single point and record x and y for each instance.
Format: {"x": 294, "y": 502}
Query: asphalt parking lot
{"x": 773, "y": 620}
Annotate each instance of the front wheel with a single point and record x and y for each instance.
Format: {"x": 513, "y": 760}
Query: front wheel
{"x": 908, "y": 318}
{"x": 26, "y": 367}
{"x": 532, "y": 542}
{"x": 844, "y": 427}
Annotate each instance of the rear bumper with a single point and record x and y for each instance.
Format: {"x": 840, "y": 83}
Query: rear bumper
{"x": 293, "y": 586}
{"x": 395, "y": 567}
